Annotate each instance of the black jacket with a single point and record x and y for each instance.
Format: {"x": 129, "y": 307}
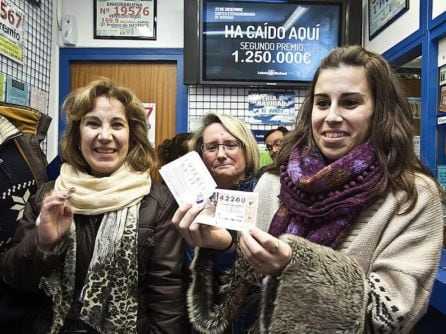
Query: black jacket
{"x": 22, "y": 171}
{"x": 161, "y": 291}
{"x": 22, "y": 162}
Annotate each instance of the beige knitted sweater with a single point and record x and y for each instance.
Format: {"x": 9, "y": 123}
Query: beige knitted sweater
{"x": 398, "y": 255}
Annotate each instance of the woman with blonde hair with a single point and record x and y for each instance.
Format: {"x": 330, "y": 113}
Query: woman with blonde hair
{"x": 231, "y": 155}
{"x": 224, "y": 141}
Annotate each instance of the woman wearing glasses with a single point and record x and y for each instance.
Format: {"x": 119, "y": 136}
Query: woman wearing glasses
{"x": 229, "y": 151}
{"x": 231, "y": 155}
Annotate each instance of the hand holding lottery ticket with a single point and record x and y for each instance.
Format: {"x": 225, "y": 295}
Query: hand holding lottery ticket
{"x": 234, "y": 210}
{"x": 191, "y": 184}
{"x": 200, "y": 235}
{"x": 188, "y": 179}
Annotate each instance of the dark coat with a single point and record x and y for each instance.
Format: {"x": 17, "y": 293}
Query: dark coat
{"x": 22, "y": 163}
{"x": 22, "y": 171}
{"x": 161, "y": 292}
{"x": 223, "y": 261}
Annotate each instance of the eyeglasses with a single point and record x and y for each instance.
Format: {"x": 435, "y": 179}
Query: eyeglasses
{"x": 230, "y": 146}
{"x": 276, "y": 144}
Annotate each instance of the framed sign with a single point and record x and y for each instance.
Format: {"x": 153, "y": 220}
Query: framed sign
{"x": 36, "y": 2}
{"x": 442, "y": 75}
{"x": 383, "y": 13}
{"x": 125, "y": 19}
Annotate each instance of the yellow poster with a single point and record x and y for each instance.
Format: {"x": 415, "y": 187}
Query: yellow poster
{"x": 12, "y": 38}
{"x": 11, "y": 50}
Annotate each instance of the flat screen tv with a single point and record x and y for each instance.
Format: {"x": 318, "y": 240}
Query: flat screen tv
{"x": 261, "y": 43}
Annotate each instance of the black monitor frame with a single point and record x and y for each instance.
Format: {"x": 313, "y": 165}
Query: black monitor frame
{"x": 351, "y": 33}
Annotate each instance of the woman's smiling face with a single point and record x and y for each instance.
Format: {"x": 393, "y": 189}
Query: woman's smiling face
{"x": 342, "y": 110}
{"x": 105, "y": 136}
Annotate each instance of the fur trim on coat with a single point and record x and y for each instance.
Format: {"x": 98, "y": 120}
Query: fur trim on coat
{"x": 320, "y": 291}
{"x": 212, "y": 306}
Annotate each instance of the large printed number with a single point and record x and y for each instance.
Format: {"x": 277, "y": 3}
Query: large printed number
{"x": 10, "y": 15}
{"x": 231, "y": 198}
{"x": 3, "y": 12}
{"x": 132, "y": 10}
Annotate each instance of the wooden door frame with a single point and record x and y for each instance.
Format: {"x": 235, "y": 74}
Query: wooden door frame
{"x": 67, "y": 55}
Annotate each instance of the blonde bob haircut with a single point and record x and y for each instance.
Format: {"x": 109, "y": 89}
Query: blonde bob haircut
{"x": 141, "y": 155}
{"x": 237, "y": 129}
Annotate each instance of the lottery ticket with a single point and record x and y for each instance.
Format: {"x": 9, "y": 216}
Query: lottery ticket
{"x": 191, "y": 183}
{"x": 188, "y": 179}
{"x": 231, "y": 209}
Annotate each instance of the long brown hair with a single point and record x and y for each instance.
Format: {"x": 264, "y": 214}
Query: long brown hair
{"x": 141, "y": 155}
{"x": 391, "y": 128}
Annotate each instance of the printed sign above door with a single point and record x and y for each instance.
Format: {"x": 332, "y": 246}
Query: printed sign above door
{"x": 130, "y": 19}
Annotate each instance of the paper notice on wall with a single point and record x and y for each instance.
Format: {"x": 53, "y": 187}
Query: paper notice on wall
{"x": 2, "y": 87}
{"x": 442, "y": 104}
{"x": 415, "y": 106}
{"x": 442, "y": 74}
{"x": 12, "y": 34}
{"x": 150, "y": 109}
{"x": 38, "y": 100}
{"x": 441, "y": 175}
{"x": 17, "y": 92}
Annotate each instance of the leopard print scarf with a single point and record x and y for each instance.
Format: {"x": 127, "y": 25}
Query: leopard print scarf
{"x": 109, "y": 295}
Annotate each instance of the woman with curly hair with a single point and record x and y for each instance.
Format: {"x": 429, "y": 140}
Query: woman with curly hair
{"x": 99, "y": 240}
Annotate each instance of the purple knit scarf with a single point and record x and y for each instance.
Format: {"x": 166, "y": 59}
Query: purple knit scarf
{"x": 321, "y": 202}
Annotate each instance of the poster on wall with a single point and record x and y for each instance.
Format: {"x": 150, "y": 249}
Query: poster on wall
{"x": 35, "y": 2}
{"x": 259, "y": 136}
{"x": 442, "y": 75}
{"x": 17, "y": 92}
{"x": 415, "y": 106}
{"x": 442, "y": 104}
{"x": 150, "y": 109}
{"x": 38, "y": 99}
{"x": 383, "y": 13}
{"x": 2, "y": 87}
{"x": 129, "y": 19}
{"x": 271, "y": 108}
{"x": 12, "y": 38}
{"x": 441, "y": 175}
